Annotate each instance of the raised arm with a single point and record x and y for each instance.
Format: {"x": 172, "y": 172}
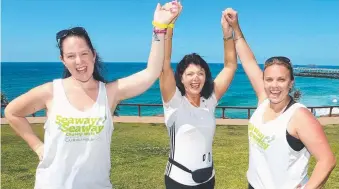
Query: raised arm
{"x": 167, "y": 80}
{"x": 225, "y": 77}
{"x": 247, "y": 58}
{"x": 138, "y": 83}
{"x": 16, "y": 111}
{"x": 311, "y": 133}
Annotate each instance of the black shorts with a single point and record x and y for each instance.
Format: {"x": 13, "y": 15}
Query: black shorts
{"x": 172, "y": 184}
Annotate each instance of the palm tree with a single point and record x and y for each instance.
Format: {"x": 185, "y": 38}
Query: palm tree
{"x": 4, "y": 101}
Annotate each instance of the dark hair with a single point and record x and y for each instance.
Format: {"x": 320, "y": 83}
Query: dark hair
{"x": 286, "y": 62}
{"x": 81, "y": 32}
{"x": 194, "y": 58}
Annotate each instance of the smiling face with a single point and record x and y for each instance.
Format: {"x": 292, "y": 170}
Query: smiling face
{"x": 193, "y": 79}
{"x": 78, "y": 58}
{"x": 277, "y": 82}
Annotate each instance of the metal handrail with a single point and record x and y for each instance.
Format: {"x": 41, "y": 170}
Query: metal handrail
{"x": 223, "y": 108}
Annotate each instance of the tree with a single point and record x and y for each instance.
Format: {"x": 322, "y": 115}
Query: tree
{"x": 4, "y": 101}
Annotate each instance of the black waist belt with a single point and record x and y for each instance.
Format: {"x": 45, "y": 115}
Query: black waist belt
{"x": 199, "y": 175}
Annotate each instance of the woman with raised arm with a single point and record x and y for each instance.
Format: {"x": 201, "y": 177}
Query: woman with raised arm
{"x": 282, "y": 134}
{"x": 189, "y": 99}
{"x": 76, "y": 149}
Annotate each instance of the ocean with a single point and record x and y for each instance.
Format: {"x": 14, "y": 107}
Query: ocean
{"x": 18, "y": 78}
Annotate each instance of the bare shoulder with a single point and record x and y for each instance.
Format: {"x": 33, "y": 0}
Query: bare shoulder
{"x": 303, "y": 118}
{"x": 312, "y": 134}
{"x": 303, "y": 113}
{"x": 34, "y": 99}
{"x": 45, "y": 90}
{"x": 112, "y": 89}
{"x": 261, "y": 98}
{"x": 47, "y": 87}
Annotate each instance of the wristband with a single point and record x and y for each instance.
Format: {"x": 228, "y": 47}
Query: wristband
{"x": 159, "y": 25}
{"x": 157, "y": 31}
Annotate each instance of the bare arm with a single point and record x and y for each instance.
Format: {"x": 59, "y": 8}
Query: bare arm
{"x": 250, "y": 65}
{"x": 247, "y": 58}
{"x": 138, "y": 83}
{"x": 311, "y": 133}
{"x": 225, "y": 77}
{"x": 167, "y": 81}
{"x": 26, "y": 104}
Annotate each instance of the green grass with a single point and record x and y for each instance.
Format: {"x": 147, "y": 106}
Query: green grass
{"x": 139, "y": 155}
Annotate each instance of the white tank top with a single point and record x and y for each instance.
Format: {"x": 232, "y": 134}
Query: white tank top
{"x": 76, "y": 144}
{"x": 191, "y": 130}
{"x": 273, "y": 164}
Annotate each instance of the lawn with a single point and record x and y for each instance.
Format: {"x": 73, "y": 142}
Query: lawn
{"x": 139, "y": 153}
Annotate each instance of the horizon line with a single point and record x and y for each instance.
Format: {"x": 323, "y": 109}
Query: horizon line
{"x": 129, "y": 62}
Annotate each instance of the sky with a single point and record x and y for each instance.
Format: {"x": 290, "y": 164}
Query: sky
{"x": 306, "y": 31}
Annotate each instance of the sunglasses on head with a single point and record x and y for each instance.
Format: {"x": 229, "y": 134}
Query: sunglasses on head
{"x": 76, "y": 30}
{"x": 279, "y": 58}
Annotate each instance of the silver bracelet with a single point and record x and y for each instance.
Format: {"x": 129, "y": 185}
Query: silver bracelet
{"x": 228, "y": 38}
{"x": 239, "y": 37}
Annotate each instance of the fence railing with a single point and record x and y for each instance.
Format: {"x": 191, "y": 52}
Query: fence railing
{"x": 223, "y": 108}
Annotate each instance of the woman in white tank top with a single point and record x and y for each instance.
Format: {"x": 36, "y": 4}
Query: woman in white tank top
{"x": 282, "y": 134}
{"x": 76, "y": 149}
{"x": 189, "y": 98}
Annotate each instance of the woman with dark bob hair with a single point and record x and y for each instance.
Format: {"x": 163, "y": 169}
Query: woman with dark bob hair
{"x": 189, "y": 100}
